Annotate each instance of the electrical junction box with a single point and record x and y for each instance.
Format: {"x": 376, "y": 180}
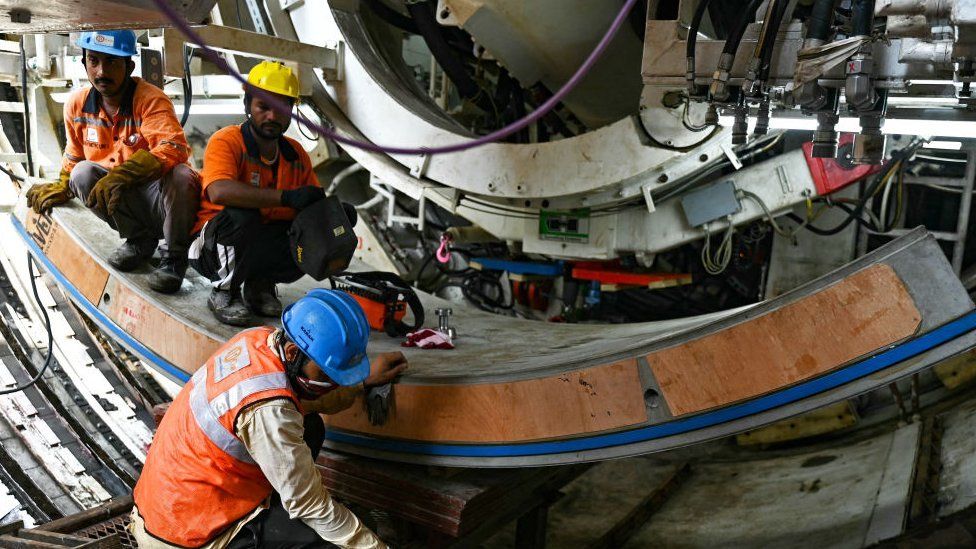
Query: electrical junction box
{"x": 716, "y": 201}
{"x": 571, "y": 226}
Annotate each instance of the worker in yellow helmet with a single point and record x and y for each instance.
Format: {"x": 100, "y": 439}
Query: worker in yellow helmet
{"x": 255, "y": 180}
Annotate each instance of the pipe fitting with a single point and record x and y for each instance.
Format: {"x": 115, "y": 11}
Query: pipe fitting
{"x": 740, "y": 127}
{"x": 869, "y": 145}
{"x": 762, "y": 119}
{"x": 825, "y": 137}
{"x": 859, "y": 87}
{"x": 920, "y": 51}
{"x": 719, "y": 89}
{"x": 908, "y": 26}
{"x": 928, "y": 8}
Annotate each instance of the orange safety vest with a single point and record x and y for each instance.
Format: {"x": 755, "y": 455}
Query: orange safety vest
{"x": 199, "y": 478}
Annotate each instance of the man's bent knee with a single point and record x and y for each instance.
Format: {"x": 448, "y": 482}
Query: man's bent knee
{"x": 182, "y": 182}
{"x": 83, "y": 178}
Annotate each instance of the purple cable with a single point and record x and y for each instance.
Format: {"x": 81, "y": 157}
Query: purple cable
{"x": 184, "y": 27}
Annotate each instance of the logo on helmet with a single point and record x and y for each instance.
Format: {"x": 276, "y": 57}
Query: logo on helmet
{"x": 339, "y": 231}
{"x": 307, "y": 333}
{"x": 105, "y": 40}
{"x": 298, "y": 251}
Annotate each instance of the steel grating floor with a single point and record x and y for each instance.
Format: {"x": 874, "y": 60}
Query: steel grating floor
{"x": 118, "y": 525}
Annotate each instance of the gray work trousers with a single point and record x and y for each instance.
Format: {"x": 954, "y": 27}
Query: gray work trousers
{"x": 164, "y": 209}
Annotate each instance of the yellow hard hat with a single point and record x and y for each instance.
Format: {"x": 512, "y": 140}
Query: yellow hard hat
{"x": 274, "y": 77}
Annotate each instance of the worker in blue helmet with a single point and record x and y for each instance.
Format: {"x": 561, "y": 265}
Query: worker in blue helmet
{"x": 244, "y": 477}
{"x": 125, "y": 158}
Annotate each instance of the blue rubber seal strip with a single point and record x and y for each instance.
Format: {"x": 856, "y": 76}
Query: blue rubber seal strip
{"x": 144, "y": 352}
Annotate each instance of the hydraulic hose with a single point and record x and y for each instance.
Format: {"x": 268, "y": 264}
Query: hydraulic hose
{"x": 767, "y": 39}
{"x": 862, "y": 17}
{"x": 719, "y": 89}
{"x": 735, "y": 37}
{"x": 820, "y": 20}
{"x": 692, "y": 41}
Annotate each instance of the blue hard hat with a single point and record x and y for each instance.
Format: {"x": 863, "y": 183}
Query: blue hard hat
{"x": 331, "y": 328}
{"x": 121, "y": 43}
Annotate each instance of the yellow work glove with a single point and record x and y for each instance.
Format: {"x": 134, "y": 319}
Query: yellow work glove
{"x": 141, "y": 168}
{"x": 47, "y": 195}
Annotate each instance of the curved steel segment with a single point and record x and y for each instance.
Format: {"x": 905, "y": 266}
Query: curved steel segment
{"x": 517, "y": 393}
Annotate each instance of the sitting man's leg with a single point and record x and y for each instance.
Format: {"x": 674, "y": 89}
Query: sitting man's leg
{"x": 139, "y": 243}
{"x": 176, "y": 198}
{"x": 222, "y": 252}
{"x": 275, "y": 266}
{"x": 273, "y": 528}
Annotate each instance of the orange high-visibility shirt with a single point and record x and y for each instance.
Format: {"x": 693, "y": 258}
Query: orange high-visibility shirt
{"x": 145, "y": 120}
{"x": 232, "y": 153}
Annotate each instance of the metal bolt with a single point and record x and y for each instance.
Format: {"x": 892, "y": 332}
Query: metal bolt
{"x": 444, "y": 322}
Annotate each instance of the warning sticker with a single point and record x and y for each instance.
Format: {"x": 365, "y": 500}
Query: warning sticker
{"x": 231, "y": 360}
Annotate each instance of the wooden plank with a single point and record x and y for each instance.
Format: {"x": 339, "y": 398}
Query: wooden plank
{"x": 626, "y": 527}
{"x": 832, "y": 418}
{"x": 180, "y": 344}
{"x": 596, "y": 399}
{"x": 958, "y": 371}
{"x": 74, "y": 262}
{"x": 854, "y": 317}
{"x": 455, "y": 505}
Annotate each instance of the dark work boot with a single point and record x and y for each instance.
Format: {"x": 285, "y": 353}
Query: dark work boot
{"x": 168, "y": 277}
{"x": 132, "y": 254}
{"x": 260, "y": 297}
{"x": 228, "y": 308}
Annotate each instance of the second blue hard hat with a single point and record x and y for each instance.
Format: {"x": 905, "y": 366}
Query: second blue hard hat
{"x": 331, "y": 328}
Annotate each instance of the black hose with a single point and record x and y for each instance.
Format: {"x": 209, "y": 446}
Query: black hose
{"x": 769, "y": 37}
{"x": 862, "y": 17}
{"x": 187, "y": 85}
{"x": 696, "y": 20}
{"x": 820, "y": 20}
{"x": 735, "y": 37}
{"x": 27, "y": 115}
{"x": 11, "y": 174}
{"x": 423, "y": 16}
{"x": 47, "y": 325}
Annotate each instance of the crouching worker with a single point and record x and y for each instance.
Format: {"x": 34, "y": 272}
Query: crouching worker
{"x": 231, "y": 466}
{"x": 255, "y": 181}
{"x": 125, "y": 158}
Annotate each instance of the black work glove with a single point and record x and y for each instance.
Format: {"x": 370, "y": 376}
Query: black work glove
{"x": 302, "y": 197}
{"x": 379, "y": 399}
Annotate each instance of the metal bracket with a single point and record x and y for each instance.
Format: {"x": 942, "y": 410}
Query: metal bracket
{"x": 730, "y": 154}
{"x": 390, "y": 195}
{"x": 648, "y": 199}
{"x": 251, "y": 44}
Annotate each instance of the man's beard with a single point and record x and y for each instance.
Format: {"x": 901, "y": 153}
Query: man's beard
{"x": 268, "y": 130}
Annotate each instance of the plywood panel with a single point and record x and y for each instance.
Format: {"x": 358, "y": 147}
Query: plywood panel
{"x": 597, "y": 399}
{"x": 74, "y": 262}
{"x": 170, "y": 338}
{"x": 799, "y": 341}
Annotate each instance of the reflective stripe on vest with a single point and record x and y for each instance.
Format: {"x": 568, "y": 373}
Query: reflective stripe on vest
{"x": 230, "y": 398}
{"x": 207, "y": 413}
{"x": 208, "y": 422}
